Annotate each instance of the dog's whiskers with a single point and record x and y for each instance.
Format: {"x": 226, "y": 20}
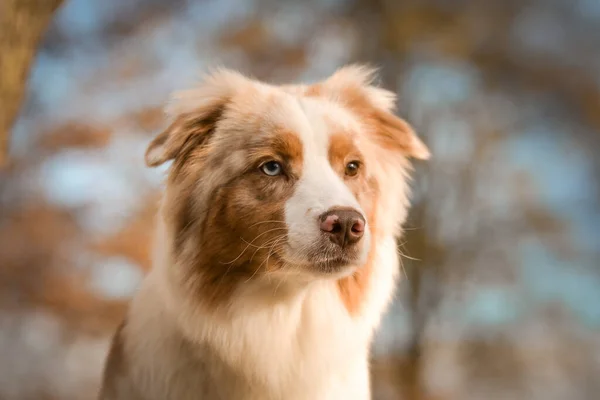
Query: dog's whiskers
{"x": 402, "y": 268}
{"x": 264, "y": 233}
{"x": 249, "y": 244}
{"x": 273, "y": 221}
{"x": 266, "y": 261}
{"x": 266, "y": 245}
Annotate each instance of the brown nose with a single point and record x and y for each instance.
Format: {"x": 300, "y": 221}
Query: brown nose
{"x": 344, "y": 226}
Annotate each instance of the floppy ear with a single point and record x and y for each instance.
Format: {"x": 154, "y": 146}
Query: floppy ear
{"x": 195, "y": 114}
{"x": 186, "y": 128}
{"x": 354, "y": 86}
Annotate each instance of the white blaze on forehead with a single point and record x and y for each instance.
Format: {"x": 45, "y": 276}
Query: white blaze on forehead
{"x": 319, "y": 181}
{"x": 320, "y": 188}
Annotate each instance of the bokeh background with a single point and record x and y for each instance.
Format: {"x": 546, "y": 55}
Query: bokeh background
{"x": 501, "y": 291}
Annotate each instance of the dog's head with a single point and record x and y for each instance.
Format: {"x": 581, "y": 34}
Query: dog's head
{"x": 281, "y": 180}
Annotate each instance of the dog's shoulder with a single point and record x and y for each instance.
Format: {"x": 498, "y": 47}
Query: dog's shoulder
{"x": 116, "y": 384}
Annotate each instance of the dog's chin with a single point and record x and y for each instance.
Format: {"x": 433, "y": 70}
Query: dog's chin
{"x": 335, "y": 267}
{"x": 340, "y": 265}
{"x": 327, "y": 263}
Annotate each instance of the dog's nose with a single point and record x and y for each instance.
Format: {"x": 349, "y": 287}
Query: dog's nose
{"x": 344, "y": 226}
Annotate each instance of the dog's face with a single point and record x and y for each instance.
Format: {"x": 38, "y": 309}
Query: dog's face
{"x": 273, "y": 180}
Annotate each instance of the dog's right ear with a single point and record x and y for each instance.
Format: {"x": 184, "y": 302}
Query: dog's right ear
{"x": 195, "y": 114}
{"x": 354, "y": 86}
{"x": 169, "y": 143}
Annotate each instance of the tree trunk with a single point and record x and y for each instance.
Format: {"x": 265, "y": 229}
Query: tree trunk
{"x": 22, "y": 24}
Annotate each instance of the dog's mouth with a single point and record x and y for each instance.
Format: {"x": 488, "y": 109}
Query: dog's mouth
{"x": 324, "y": 260}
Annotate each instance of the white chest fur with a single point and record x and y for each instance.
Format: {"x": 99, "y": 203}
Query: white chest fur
{"x": 306, "y": 347}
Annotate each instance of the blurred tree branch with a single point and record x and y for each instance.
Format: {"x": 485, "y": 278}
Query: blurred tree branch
{"x": 22, "y": 24}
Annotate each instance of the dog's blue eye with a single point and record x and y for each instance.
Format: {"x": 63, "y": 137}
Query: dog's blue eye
{"x": 271, "y": 168}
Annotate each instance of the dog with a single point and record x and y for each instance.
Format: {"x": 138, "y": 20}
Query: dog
{"x": 276, "y": 252}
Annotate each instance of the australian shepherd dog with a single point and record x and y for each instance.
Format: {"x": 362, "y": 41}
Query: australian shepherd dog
{"x": 275, "y": 252}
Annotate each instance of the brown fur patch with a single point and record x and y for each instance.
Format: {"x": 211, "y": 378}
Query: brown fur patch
{"x": 234, "y": 235}
{"x": 353, "y": 288}
{"x": 342, "y": 150}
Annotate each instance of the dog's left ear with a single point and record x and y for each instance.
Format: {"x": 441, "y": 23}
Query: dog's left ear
{"x": 353, "y": 86}
{"x": 396, "y": 133}
{"x": 196, "y": 113}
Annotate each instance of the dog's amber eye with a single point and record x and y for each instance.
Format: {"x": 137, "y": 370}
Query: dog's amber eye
{"x": 271, "y": 168}
{"x": 352, "y": 168}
